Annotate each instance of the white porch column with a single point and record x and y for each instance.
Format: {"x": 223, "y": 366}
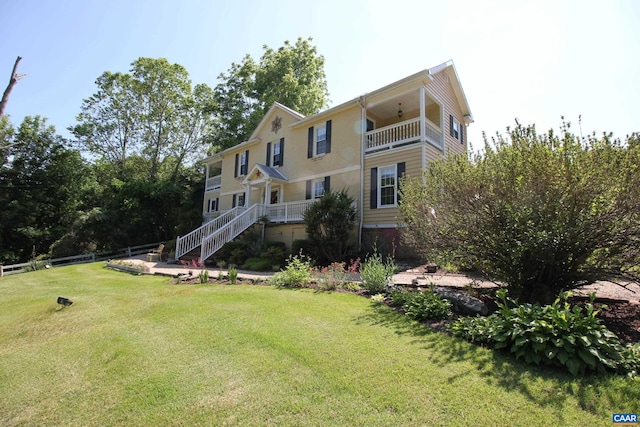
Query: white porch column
{"x": 247, "y": 195}
{"x": 267, "y": 192}
{"x": 423, "y": 117}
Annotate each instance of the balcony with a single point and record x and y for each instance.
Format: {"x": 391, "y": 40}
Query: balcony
{"x": 213, "y": 183}
{"x": 401, "y": 134}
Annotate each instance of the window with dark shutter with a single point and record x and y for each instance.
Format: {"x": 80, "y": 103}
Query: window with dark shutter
{"x": 328, "y": 132}
{"x": 281, "y": 155}
{"x": 235, "y": 171}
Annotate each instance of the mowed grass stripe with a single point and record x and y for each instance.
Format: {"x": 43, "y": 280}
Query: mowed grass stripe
{"x": 139, "y": 350}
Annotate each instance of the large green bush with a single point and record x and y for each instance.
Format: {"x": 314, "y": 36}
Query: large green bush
{"x": 541, "y": 213}
{"x": 557, "y": 334}
{"x": 330, "y": 222}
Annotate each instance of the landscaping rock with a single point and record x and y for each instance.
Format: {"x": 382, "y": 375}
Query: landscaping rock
{"x": 462, "y": 302}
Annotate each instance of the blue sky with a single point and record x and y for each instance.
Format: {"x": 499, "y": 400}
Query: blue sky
{"x": 531, "y": 60}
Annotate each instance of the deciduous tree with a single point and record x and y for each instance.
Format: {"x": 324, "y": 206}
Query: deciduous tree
{"x": 293, "y": 75}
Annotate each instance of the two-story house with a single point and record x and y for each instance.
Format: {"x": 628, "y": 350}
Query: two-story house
{"x": 363, "y": 146}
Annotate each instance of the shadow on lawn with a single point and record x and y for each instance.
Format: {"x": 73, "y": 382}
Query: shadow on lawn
{"x": 546, "y": 386}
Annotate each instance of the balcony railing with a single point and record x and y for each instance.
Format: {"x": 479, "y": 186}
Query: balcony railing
{"x": 288, "y": 212}
{"x": 402, "y": 133}
{"x": 213, "y": 183}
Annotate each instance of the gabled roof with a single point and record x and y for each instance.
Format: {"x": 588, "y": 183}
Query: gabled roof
{"x": 449, "y": 68}
{"x": 267, "y": 172}
{"x": 424, "y": 75}
{"x": 276, "y": 105}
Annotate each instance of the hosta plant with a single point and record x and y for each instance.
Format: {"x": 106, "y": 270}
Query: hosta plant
{"x": 557, "y": 334}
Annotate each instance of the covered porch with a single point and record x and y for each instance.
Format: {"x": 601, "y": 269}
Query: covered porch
{"x": 404, "y": 119}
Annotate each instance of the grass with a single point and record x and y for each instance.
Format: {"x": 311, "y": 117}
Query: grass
{"x": 139, "y": 350}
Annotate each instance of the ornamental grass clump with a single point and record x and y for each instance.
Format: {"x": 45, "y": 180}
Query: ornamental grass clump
{"x": 558, "y": 334}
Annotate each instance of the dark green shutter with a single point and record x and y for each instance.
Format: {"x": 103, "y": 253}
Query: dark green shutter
{"x": 400, "y": 168}
{"x": 268, "y": 163}
{"x": 246, "y": 163}
{"x": 233, "y": 202}
{"x": 461, "y": 134}
{"x": 450, "y": 125}
{"x": 309, "y": 183}
{"x": 235, "y": 171}
{"x": 327, "y": 184}
{"x": 328, "y": 128}
{"x": 374, "y": 189}
{"x": 310, "y": 143}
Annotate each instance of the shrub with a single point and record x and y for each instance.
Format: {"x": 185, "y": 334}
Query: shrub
{"x": 426, "y": 305}
{"x": 330, "y": 222}
{"x": 275, "y": 253}
{"x": 296, "y": 274}
{"x": 556, "y": 334}
{"x": 542, "y": 213}
{"x": 376, "y": 274}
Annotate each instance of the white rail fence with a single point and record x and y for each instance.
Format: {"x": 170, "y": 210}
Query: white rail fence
{"x": 78, "y": 259}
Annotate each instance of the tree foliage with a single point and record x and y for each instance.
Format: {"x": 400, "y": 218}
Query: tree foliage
{"x": 541, "y": 213}
{"x": 329, "y": 223}
{"x": 293, "y": 75}
{"x": 152, "y": 112}
{"x": 42, "y": 190}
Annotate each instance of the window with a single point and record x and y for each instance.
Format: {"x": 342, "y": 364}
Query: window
{"x": 238, "y": 200}
{"x": 316, "y": 188}
{"x": 384, "y": 185}
{"x": 456, "y": 129}
{"x": 275, "y": 153}
{"x": 213, "y": 205}
{"x": 242, "y": 162}
{"x": 387, "y": 186}
{"x": 319, "y": 141}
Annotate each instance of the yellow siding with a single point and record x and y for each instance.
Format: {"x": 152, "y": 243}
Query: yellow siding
{"x": 413, "y": 167}
{"x": 443, "y": 92}
{"x": 286, "y": 233}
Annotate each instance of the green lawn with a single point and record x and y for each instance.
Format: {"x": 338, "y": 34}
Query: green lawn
{"x": 139, "y": 350}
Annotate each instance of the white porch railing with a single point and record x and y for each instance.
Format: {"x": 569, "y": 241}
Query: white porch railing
{"x": 287, "y": 212}
{"x": 214, "y": 241}
{"x": 213, "y": 183}
{"x": 401, "y": 133}
{"x": 189, "y": 242}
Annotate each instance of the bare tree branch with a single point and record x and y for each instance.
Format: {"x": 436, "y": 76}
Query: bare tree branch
{"x": 12, "y": 81}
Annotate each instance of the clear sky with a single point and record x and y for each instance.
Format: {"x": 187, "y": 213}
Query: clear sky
{"x": 531, "y": 60}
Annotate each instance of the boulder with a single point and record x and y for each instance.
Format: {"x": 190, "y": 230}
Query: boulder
{"x": 462, "y": 302}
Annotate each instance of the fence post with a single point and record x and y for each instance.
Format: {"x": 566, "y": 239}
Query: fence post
{"x": 93, "y": 256}
{"x": 129, "y": 251}
{"x": 1, "y": 272}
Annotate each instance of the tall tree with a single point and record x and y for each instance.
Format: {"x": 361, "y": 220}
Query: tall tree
{"x": 152, "y": 112}
{"x": 42, "y": 190}
{"x": 293, "y": 75}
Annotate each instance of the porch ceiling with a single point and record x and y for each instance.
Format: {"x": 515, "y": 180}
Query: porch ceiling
{"x": 389, "y": 107}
